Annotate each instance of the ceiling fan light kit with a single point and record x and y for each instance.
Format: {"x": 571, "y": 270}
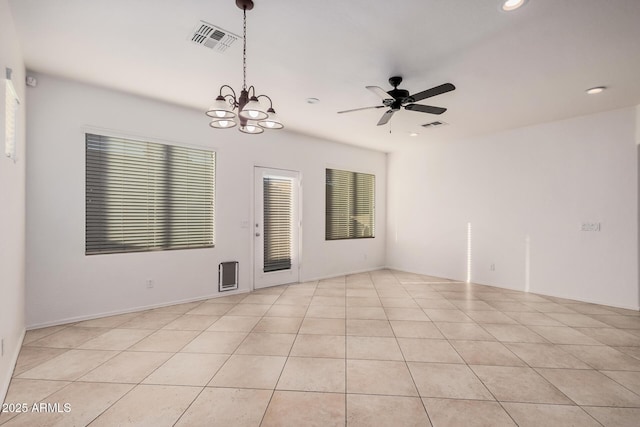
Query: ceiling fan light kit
{"x": 230, "y": 110}
{"x": 397, "y": 99}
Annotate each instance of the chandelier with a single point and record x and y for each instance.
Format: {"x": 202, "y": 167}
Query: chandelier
{"x": 229, "y": 110}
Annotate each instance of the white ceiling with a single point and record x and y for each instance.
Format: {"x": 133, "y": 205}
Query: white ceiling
{"x": 510, "y": 69}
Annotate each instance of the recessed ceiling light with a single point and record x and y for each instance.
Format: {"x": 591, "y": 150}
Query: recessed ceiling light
{"x": 413, "y": 134}
{"x": 595, "y": 90}
{"x": 511, "y": 5}
{"x": 312, "y": 100}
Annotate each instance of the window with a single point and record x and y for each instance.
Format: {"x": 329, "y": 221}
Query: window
{"x": 143, "y": 196}
{"x": 350, "y": 205}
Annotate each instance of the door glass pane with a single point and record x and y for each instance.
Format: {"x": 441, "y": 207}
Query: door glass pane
{"x": 277, "y": 223}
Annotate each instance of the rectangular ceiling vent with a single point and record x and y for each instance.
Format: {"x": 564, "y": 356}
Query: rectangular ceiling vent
{"x": 212, "y": 37}
{"x": 434, "y": 124}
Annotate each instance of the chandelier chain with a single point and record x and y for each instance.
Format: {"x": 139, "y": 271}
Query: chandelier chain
{"x": 244, "y": 50}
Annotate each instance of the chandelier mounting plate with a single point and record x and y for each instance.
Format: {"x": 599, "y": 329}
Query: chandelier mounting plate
{"x": 245, "y": 4}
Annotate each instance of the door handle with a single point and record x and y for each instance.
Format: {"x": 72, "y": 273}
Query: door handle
{"x": 257, "y": 234}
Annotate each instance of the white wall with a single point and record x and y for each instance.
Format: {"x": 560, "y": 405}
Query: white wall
{"x": 12, "y": 207}
{"x": 64, "y": 284}
{"x": 539, "y": 182}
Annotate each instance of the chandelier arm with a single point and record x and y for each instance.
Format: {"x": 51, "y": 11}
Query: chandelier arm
{"x": 230, "y": 88}
{"x": 266, "y": 96}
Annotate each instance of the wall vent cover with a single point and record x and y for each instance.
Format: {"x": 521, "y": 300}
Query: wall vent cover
{"x": 212, "y": 37}
{"x": 433, "y": 124}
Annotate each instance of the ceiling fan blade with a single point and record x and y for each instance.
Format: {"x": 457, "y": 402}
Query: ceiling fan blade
{"x": 438, "y": 90}
{"x": 381, "y": 93}
{"x": 358, "y": 109}
{"x": 386, "y": 117}
{"x": 425, "y": 108}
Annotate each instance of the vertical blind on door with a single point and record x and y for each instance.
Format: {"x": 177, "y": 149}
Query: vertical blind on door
{"x": 143, "y": 196}
{"x": 350, "y": 205}
{"x": 278, "y": 205}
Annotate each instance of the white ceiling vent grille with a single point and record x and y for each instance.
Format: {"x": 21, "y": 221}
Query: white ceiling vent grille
{"x": 434, "y": 124}
{"x": 212, "y": 37}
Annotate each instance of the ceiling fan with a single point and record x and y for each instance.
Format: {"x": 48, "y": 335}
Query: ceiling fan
{"x": 396, "y": 99}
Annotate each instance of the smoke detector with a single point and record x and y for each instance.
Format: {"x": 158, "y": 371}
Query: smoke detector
{"x": 212, "y": 37}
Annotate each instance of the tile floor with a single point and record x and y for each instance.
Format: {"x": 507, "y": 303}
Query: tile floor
{"x": 377, "y": 349}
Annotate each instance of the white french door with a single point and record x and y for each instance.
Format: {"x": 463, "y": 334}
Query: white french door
{"x": 276, "y": 227}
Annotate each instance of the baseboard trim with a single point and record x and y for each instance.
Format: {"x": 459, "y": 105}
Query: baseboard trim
{"x": 367, "y": 270}
{"x": 129, "y": 310}
{"x": 4, "y": 386}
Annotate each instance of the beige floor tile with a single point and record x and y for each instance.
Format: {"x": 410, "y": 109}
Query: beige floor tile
{"x": 577, "y": 320}
{"x": 623, "y": 322}
{"x": 593, "y": 309}
{"x": 36, "y": 334}
{"x": 630, "y": 380}
{"x": 191, "y": 369}
{"x": 379, "y": 377}
{"x": 126, "y": 367}
{"x": 464, "y": 331}
{"x": 149, "y": 321}
{"x": 518, "y": 384}
{"x": 86, "y": 401}
{"x": 467, "y": 413}
{"x": 69, "y": 366}
{"x": 71, "y": 337}
{"x": 313, "y": 374}
{"x": 427, "y": 350}
{"x": 279, "y": 325}
{"x": 533, "y": 319}
{"x": 398, "y": 302}
{"x": 152, "y": 405}
{"x": 27, "y": 392}
{"x": 165, "y": 341}
{"x": 285, "y": 310}
{"x": 385, "y": 411}
{"x": 260, "y": 299}
{"x": 249, "y": 310}
{"x": 226, "y": 407}
{"x": 511, "y": 307}
{"x": 534, "y": 415}
{"x": 513, "y": 333}
{"x": 326, "y": 312}
{"x": 296, "y": 409}
{"x": 177, "y": 308}
{"x": 332, "y": 346}
{"x": 473, "y": 306}
{"x": 612, "y": 337}
{"x": 615, "y": 417}
{"x": 330, "y": 292}
{"x": 564, "y": 335}
{"x": 300, "y": 300}
{"x": 319, "y": 326}
{"x": 248, "y": 371}
{"x": 586, "y": 387}
{"x": 369, "y": 328}
{"x": 215, "y": 342}
{"x": 403, "y": 313}
{"x": 440, "y": 315}
{"x": 108, "y": 322}
{"x": 447, "y": 381}
{"x": 234, "y": 324}
{"x": 486, "y": 353}
{"x": 373, "y": 348}
{"x": 366, "y": 313}
{"x": 362, "y": 292}
{"x": 191, "y": 322}
{"x": 211, "y": 309}
{"x": 603, "y": 357}
{"x": 300, "y": 290}
{"x": 229, "y": 299}
{"x": 437, "y": 303}
{"x": 116, "y": 339}
{"x": 548, "y": 307}
{"x": 30, "y": 357}
{"x": 364, "y": 302}
{"x": 631, "y": 351}
{"x": 540, "y": 355}
{"x": 267, "y": 344}
{"x": 415, "y": 329}
{"x": 490, "y": 317}
{"x": 330, "y": 301}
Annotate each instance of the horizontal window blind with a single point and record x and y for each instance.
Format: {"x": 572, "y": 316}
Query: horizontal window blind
{"x": 143, "y": 196}
{"x": 277, "y": 223}
{"x": 350, "y": 205}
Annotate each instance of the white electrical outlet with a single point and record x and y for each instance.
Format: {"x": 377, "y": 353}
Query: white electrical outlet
{"x": 149, "y": 283}
{"x": 492, "y": 267}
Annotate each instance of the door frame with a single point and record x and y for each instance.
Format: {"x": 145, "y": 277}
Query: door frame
{"x": 258, "y": 172}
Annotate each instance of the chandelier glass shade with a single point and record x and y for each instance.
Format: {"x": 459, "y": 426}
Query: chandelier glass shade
{"x": 244, "y": 111}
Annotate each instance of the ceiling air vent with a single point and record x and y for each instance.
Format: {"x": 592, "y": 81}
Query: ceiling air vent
{"x": 434, "y": 124}
{"x": 212, "y": 37}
